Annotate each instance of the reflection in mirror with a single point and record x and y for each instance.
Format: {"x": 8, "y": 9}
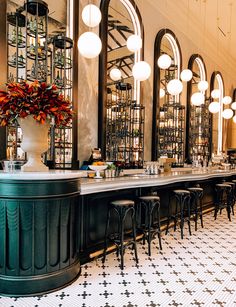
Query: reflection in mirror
{"x": 168, "y": 113}
{"x": 198, "y": 132}
{"x": 216, "y": 107}
{"x": 40, "y": 47}
{"x": 121, "y": 116}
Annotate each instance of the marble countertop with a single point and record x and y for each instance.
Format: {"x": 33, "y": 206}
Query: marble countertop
{"x": 89, "y": 186}
{"x": 50, "y": 175}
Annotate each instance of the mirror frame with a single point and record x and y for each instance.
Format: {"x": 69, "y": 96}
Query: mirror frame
{"x": 102, "y": 77}
{"x": 214, "y": 78}
{"x": 191, "y": 61}
{"x": 156, "y": 86}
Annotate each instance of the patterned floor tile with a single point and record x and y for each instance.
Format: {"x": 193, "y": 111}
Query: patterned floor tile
{"x": 199, "y": 270}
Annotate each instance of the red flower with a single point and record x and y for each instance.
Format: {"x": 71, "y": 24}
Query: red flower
{"x": 39, "y": 99}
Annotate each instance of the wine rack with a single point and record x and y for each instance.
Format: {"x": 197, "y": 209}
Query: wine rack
{"x": 33, "y": 54}
{"x": 171, "y": 121}
{"x": 124, "y": 127}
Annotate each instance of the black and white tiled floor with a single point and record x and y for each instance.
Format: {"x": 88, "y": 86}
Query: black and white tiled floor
{"x": 197, "y": 271}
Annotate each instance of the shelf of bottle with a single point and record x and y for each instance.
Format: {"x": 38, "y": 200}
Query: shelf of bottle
{"x": 15, "y": 64}
{"x": 64, "y": 85}
{"x": 68, "y": 65}
{"x": 36, "y": 33}
{"x": 32, "y": 78}
{"x": 41, "y": 56}
{"x": 15, "y": 45}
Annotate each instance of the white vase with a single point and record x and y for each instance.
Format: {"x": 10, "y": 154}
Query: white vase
{"x": 34, "y": 143}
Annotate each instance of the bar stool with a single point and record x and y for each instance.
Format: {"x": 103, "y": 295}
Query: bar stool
{"x": 182, "y": 210}
{"x": 121, "y": 208}
{"x": 151, "y": 225}
{"x": 196, "y": 194}
{"x": 232, "y": 194}
{"x": 223, "y": 198}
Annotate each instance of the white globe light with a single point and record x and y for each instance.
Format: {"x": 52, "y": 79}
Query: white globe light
{"x": 227, "y": 113}
{"x": 141, "y": 71}
{"x": 227, "y": 100}
{"x": 91, "y": 15}
{"x": 175, "y": 87}
{"x": 233, "y": 105}
{"x": 134, "y": 43}
{"x": 215, "y": 93}
{"x": 234, "y": 119}
{"x": 202, "y": 85}
{"x": 197, "y": 99}
{"x": 162, "y": 93}
{"x": 186, "y": 75}
{"x": 89, "y": 45}
{"x": 164, "y": 61}
{"x": 214, "y": 107}
{"x": 115, "y": 74}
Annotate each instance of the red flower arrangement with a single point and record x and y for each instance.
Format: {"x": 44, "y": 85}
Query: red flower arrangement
{"x": 41, "y": 100}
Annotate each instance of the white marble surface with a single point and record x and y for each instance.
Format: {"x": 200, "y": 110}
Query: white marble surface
{"x": 89, "y": 186}
{"x": 50, "y": 175}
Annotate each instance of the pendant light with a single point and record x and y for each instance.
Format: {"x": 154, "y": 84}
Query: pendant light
{"x": 214, "y": 107}
{"x": 233, "y": 105}
{"x": 161, "y": 93}
{"x": 197, "y": 99}
{"x": 215, "y": 93}
{"x": 202, "y": 85}
{"x": 175, "y": 87}
{"x": 227, "y": 100}
{"x": 89, "y": 45}
{"x": 134, "y": 43}
{"x": 227, "y": 113}
{"x": 91, "y": 15}
{"x": 164, "y": 61}
{"x": 115, "y": 74}
{"x": 186, "y": 75}
{"x": 141, "y": 71}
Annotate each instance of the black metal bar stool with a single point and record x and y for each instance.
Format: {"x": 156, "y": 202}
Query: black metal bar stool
{"x": 121, "y": 208}
{"x": 196, "y": 194}
{"x": 182, "y": 211}
{"x": 151, "y": 225}
{"x": 223, "y": 198}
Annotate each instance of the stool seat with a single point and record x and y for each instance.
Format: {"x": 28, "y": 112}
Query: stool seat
{"x": 151, "y": 206}
{"x": 181, "y": 192}
{"x": 122, "y": 202}
{"x": 150, "y": 198}
{"x": 223, "y": 185}
{"x": 122, "y": 208}
{"x": 197, "y": 189}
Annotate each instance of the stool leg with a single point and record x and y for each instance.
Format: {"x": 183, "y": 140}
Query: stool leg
{"x": 187, "y": 198}
{"x": 106, "y": 236}
{"x": 159, "y": 227}
{"x": 168, "y": 219}
{"x": 122, "y": 242}
{"x": 149, "y": 216}
{"x": 218, "y": 199}
{"x": 201, "y": 215}
{"x": 176, "y": 212}
{"x": 134, "y": 237}
{"x": 196, "y": 209}
{"x": 229, "y": 204}
{"x": 181, "y": 204}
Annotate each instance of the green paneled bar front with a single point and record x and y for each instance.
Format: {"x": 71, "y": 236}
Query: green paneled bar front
{"x": 38, "y": 236}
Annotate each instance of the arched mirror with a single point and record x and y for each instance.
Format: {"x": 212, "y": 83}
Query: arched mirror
{"x": 168, "y": 113}
{"x": 216, "y": 108}
{"x": 198, "y": 128}
{"x": 121, "y": 115}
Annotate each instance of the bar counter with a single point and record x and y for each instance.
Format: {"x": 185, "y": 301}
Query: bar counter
{"x": 51, "y": 222}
